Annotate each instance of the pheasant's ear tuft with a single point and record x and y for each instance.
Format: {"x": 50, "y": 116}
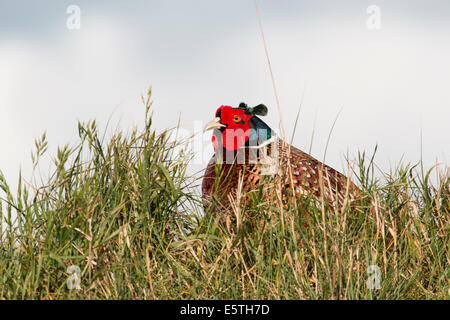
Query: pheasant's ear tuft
{"x": 243, "y": 105}
{"x": 259, "y": 110}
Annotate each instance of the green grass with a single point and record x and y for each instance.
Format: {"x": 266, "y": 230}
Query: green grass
{"x": 124, "y": 211}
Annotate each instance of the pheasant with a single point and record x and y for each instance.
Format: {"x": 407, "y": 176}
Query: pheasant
{"x": 247, "y": 150}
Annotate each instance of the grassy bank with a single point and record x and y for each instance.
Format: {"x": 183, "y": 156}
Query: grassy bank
{"x": 118, "y": 219}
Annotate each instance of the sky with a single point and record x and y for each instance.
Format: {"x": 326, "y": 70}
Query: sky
{"x": 383, "y": 75}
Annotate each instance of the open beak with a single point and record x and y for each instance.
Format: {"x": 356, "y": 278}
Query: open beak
{"x": 214, "y": 124}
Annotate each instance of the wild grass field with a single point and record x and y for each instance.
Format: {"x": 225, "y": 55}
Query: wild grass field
{"x": 118, "y": 219}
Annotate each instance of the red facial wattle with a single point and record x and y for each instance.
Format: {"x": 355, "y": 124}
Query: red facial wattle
{"x": 237, "y": 130}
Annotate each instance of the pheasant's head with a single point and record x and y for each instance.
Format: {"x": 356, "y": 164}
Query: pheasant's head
{"x": 239, "y": 127}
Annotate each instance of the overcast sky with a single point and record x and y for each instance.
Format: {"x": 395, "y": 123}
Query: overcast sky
{"x": 391, "y": 83}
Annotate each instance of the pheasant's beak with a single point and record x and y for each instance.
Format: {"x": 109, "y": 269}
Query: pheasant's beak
{"x": 214, "y": 124}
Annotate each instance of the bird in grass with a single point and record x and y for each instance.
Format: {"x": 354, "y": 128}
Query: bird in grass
{"x": 247, "y": 151}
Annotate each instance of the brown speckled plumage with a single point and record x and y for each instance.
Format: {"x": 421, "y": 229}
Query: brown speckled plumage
{"x": 308, "y": 176}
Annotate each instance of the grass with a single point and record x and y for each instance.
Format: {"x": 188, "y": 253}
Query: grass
{"x": 123, "y": 211}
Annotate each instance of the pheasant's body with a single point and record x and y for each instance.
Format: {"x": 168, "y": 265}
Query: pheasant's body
{"x": 299, "y": 172}
{"x": 247, "y": 153}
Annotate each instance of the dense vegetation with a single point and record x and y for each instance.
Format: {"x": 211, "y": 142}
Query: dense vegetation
{"x": 121, "y": 216}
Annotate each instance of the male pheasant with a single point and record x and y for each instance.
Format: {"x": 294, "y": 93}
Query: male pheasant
{"x": 247, "y": 150}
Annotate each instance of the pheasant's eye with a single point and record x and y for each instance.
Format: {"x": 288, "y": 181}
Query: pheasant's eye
{"x": 236, "y": 119}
